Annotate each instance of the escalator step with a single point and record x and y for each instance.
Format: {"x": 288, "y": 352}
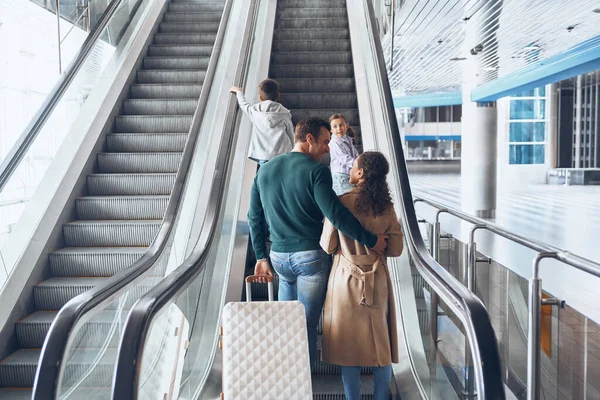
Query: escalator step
{"x": 132, "y": 233}
{"x": 185, "y": 38}
{"x": 311, "y": 4}
{"x": 192, "y": 17}
{"x": 312, "y": 71}
{"x": 32, "y": 330}
{"x": 16, "y": 394}
{"x": 121, "y": 207}
{"x": 312, "y": 57}
{"x": 313, "y": 34}
{"x": 153, "y": 124}
{"x": 196, "y": 7}
{"x": 135, "y": 183}
{"x": 170, "y": 76}
{"x": 54, "y": 293}
{"x": 138, "y": 162}
{"x": 145, "y": 142}
{"x": 310, "y": 23}
{"x": 176, "y": 62}
{"x": 319, "y": 100}
{"x": 18, "y": 370}
{"x": 311, "y": 13}
{"x": 181, "y": 27}
{"x": 159, "y": 107}
{"x": 331, "y": 387}
{"x": 94, "y": 261}
{"x": 316, "y": 85}
{"x": 165, "y": 91}
{"x": 181, "y": 50}
{"x": 312, "y": 45}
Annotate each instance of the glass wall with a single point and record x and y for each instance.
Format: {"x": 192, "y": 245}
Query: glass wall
{"x": 527, "y": 127}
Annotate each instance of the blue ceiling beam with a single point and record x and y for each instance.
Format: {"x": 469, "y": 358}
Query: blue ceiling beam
{"x": 429, "y": 100}
{"x": 580, "y": 59}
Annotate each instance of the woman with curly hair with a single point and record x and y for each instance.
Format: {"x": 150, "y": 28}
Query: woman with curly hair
{"x": 359, "y": 325}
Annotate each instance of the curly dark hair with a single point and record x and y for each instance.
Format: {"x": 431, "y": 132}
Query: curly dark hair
{"x": 374, "y": 193}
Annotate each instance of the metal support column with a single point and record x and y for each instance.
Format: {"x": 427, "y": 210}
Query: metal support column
{"x": 578, "y": 123}
{"x": 58, "y": 40}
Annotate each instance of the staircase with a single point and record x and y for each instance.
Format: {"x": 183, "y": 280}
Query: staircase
{"x": 126, "y": 198}
{"x": 312, "y": 60}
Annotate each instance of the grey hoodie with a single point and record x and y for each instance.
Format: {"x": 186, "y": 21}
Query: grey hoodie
{"x": 272, "y": 132}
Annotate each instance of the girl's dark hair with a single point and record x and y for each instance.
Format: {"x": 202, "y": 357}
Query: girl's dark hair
{"x": 373, "y": 194}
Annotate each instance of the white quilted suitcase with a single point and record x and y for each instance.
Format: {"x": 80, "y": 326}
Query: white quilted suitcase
{"x": 265, "y": 350}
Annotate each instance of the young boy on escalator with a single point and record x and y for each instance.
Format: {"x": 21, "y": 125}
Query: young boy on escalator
{"x": 273, "y": 131}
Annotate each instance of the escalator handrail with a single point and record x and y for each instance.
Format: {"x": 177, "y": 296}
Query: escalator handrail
{"x": 31, "y": 131}
{"x": 478, "y": 327}
{"x": 573, "y": 260}
{"x": 138, "y": 324}
{"x": 82, "y": 307}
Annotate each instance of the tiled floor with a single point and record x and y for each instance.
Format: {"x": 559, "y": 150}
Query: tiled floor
{"x": 567, "y": 217}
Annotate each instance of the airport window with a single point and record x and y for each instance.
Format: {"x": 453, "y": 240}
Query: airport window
{"x": 430, "y": 114}
{"x": 457, "y": 113}
{"x": 445, "y": 114}
{"x": 526, "y": 154}
{"x": 527, "y": 109}
{"x": 527, "y": 132}
{"x": 537, "y": 92}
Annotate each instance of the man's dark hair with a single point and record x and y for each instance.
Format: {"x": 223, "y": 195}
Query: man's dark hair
{"x": 269, "y": 90}
{"x": 310, "y": 125}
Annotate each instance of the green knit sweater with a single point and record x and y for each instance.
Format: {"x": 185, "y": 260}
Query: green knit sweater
{"x": 291, "y": 194}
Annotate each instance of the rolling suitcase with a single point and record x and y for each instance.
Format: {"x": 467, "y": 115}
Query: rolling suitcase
{"x": 265, "y": 349}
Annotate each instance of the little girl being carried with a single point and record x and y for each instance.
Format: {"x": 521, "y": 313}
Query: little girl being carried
{"x": 343, "y": 153}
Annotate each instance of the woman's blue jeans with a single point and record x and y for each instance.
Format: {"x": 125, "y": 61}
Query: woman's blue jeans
{"x": 303, "y": 276}
{"x": 381, "y": 378}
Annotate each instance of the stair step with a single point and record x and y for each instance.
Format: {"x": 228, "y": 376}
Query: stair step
{"x": 170, "y": 76}
{"x": 138, "y": 162}
{"x": 132, "y": 184}
{"x": 318, "y": 100}
{"x": 312, "y": 13}
{"x": 331, "y": 387}
{"x": 181, "y": 50}
{"x": 193, "y": 17}
{"x": 313, "y": 57}
{"x": 312, "y": 45}
{"x": 312, "y": 34}
{"x": 124, "y": 233}
{"x": 146, "y": 142}
{"x": 195, "y": 7}
{"x": 93, "y": 261}
{"x": 331, "y": 85}
{"x": 312, "y": 71}
{"x": 165, "y": 91}
{"x": 183, "y": 27}
{"x": 176, "y": 62}
{"x": 121, "y": 207}
{"x": 18, "y": 370}
{"x": 301, "y": 113}
{"x": 153, "y": 124}
{"x": 159, "y": 107}
{"x": 312, "y": 23}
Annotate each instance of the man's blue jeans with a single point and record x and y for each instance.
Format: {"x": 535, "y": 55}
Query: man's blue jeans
{"x": 381, "y": 378}
{"x": 303, "y": 276}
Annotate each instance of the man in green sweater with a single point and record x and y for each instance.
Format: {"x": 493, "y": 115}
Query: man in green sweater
{"x": 290, "y": 195}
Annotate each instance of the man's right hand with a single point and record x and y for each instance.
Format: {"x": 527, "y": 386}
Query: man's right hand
{"x": 381, "y": 244}
{"x": 262, "y": 268}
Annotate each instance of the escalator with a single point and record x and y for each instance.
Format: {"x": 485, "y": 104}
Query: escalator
{"x": 314, "y": 53}
{"x": 124, "y": 198}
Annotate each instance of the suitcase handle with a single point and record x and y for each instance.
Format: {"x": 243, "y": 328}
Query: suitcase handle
{"x": 255, "y": 278}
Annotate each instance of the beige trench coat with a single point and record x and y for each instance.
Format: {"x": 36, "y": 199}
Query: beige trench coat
{"x": 359, "y": 321}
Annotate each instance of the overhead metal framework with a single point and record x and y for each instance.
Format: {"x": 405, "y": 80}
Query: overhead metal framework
{"x": 434, "y": 39}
